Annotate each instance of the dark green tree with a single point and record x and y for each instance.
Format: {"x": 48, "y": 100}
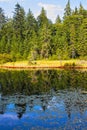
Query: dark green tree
{"x": 19, "y": 27}
{"x": 19, "y": 22}
{"x": 45, "y": 41}
{"x": 42, "y": 18}
{"x": 30, "y": 33}
{"x": 24, "y": 37}
{"x": 73, "y": 42}
{"x": 82, "y": 43}
{"x": 81, "y": 9}
{"x": 75, "y": 12}
{"x": 67, "y": 10}
{"x": 2, "y": 18}
{"x": 31, "y": 23}
{"x": 58, "y": 20}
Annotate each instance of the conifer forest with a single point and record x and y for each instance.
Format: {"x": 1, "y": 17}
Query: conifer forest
{"x": 24, "y": 37}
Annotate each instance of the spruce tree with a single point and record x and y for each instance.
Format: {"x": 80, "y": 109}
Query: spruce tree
{"x": 2, "y": 18}
{"x": 45, "y": 41}
{"x": 82, "y": 43}
{"x": 72, "y": 48}
{"x": 30, "y": 33}
{"x": 67, "y": 10}
{"x": 81, "y": 9}
{"x": 58, "y": 20}
{"x": 42, "y": 18}
{"x": 19, "y": 22}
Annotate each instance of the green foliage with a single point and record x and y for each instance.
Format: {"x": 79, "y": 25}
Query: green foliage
{"x": 33, "y": 82}
{"x": 2, "y": 18}
{"x": 67, "y": 10}
{"x": 5, "y": 58}
{"x": 68, "y": 65}
{"x": 58, "y": 20}
{"x": 19, "y": 22}
{"x": 82, "y": 46}
{"x": 24, "y": 37}
{"x": 42, "y": 18}
{"x": 45, "y": 41}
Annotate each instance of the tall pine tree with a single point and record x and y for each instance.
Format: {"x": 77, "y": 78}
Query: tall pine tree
{"x": 67, "y": 10}
{"x": 19, "y": 22}
{"x": 2, "y": 18}
{"x": 42, "y": 18}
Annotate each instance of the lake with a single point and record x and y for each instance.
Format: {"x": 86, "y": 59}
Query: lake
{"x": 43, "y": 100}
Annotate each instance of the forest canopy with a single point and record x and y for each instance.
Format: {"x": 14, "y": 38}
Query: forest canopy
{"x": 24, "y": 37}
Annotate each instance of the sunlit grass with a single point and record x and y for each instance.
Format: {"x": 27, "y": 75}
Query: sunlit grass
{"x": 46, "y": 63}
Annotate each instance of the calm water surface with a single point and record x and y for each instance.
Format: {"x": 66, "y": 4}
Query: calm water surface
{"x": 43, "y": 100}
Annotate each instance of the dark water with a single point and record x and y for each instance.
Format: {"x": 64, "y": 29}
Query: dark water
{"x": 43, "y": 100}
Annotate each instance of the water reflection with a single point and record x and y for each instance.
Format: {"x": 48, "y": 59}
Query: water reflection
{"x": 38, "y": 100}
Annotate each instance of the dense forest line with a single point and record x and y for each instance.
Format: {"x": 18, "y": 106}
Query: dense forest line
{"x": 24, "y": 37}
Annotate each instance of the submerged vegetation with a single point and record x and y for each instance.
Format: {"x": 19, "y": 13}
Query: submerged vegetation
{"x": 25, "y": 38}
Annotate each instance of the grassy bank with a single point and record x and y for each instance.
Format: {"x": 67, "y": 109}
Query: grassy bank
{"x": 46, "y": 64}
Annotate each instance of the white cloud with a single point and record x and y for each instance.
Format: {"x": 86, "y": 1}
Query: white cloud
{"x": 52, "y": 10}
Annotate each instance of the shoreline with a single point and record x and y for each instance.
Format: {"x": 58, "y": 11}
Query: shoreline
{"x": 45, "y": 64}
{"x": 41, "y": 67}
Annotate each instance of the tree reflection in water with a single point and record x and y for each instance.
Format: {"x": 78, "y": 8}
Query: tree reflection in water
{"x": 49, "y": 94}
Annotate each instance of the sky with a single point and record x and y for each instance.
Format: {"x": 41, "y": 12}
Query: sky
{"x": 53, "y": 7}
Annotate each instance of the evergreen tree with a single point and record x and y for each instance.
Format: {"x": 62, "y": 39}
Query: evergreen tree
{"x": 8, "y": 28}
{"x": 75, "y": 12}
{"x": 59, "y": 40}
{"x": 2, "y": 18}
{"x": 72, "y": 47}
{"x": 82, "y": 43}
{"x": 58, "y": 20}
{"x": 31, "y": 23}
{"x": 42, "y": 18}
{"x": 25, "y": 37}
{"x": 30, "y": 33}
{"x": 81, "y": 9}
{"x": 67, "y": 10}
{"x": 2, "y": 45}
{"x": 19, "y": 22}
{"x": 31, "y": 26}
{"x": 45, "y": 42}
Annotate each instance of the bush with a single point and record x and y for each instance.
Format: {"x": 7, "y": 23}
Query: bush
{"x": 69, "y": 65}
{"x": 5, "y": 58}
